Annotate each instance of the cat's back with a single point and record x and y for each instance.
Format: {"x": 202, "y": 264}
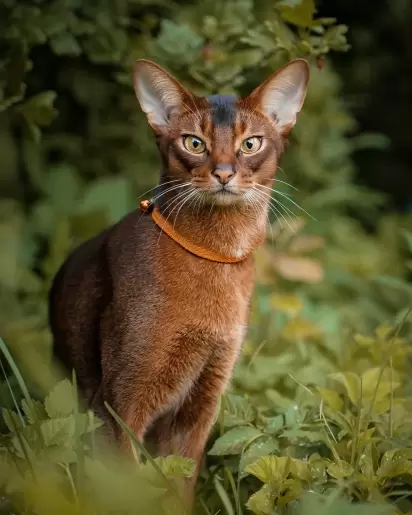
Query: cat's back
{"x": 83, "y": 286}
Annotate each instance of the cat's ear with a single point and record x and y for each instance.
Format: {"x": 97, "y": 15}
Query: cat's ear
{"x": 281, "y": 96}
{"x": 160, "y": 95}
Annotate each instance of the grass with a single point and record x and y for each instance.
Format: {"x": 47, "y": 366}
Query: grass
{"x": 343, "y": 445}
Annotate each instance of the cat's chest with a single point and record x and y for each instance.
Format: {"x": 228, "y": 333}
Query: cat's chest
{"x": 212, "y": 296}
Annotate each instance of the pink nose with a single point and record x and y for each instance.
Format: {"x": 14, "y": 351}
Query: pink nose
{"x": 223, "y": 173}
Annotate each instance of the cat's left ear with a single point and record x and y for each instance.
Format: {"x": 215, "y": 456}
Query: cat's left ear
{"x": 160, "y": 95}
{"x": 281, "y": 96}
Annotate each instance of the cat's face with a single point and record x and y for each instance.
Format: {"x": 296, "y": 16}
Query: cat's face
{"x": 225, "y": 150}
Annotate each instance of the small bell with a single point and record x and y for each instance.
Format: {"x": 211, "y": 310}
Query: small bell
{"x": 144, "y": 205}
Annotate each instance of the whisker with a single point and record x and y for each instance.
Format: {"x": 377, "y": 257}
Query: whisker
{"x": 190, "y": 195}
{"x": 267, "y": 198}
{"x": 282, "y": 182}
{"x": 288, "y": 198}
{"x": 181, "y": 196}
{"x": 157, "y": 186}
{"x": 168, "y": 190}
{"x": 295, "y": 204}
{"x": 261, "y": 206}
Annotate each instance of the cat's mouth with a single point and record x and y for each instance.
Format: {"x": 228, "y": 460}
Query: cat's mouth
{"x": 225, "y": 194}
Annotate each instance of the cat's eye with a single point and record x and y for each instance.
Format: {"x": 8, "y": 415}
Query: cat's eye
{"x": 194, "y": 144}
{"x": 251, "y": 145}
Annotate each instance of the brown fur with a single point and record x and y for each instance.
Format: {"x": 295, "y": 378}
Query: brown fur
{"x": 150, "y": 328}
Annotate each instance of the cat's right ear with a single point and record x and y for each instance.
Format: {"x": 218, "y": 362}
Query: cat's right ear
{"x": 160, "y": 95}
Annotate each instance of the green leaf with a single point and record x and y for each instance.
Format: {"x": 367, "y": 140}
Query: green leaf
{"x": 352, "y": 384}
{"x": 58, "y": 431}
{"x": 262, "y": 501}
{"x": 12, "y": 420}
{"x": 64, "y": 43}
{"x": 34, "y": 411}
{"x": 270, "y": 468}
{"x": 238, "y": 411}
{"x": 112, "y": 194}
{"x": 408, "y": 237}
{"x": 60, "y": 402}
{"x": 340, "y": 470}
{"x": 298, "y": 12}
{"x": 262, "y": 447}
{"x": 176, "y": 466}
{"x": 331, "y": 398}
{"x": 315, "y": 504}
{"x": 396, "y": 283}
{"x": 39, "y": 109}
{"x": 63, "y": 187}
{"x": 234, "y": 441}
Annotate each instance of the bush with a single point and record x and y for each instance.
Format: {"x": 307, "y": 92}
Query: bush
{"x": 312, "y": 408}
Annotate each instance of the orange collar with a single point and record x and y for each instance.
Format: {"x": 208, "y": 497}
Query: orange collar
{"x": 197, "y": 250}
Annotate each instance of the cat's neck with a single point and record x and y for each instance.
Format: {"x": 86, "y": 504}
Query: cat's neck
{"x": 233, "y": 230}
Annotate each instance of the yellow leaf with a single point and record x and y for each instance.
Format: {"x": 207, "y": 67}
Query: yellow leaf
{"x": 270, "y": 468}
{"x": 378, "y": 385}
{"x": 263, "y": 265}
{"x": 364, "y": 340}
{"x": 340, "y": 470}
{"x": 294, "y": 268}
{"x": 331, "y": 398}
{"x": 300, "y": 469}
{"x": 352, "y": 384}
{"x": 384, "y": 331}
{"x": 299, "y": 329}
{"x": 286, "y": 303}
{"x": 306, "y": 244}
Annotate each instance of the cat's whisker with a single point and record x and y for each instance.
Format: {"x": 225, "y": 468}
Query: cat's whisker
{"x": 190, "y": 195}
{"x": 288, "y": 198}
{"x": 273, "y": 208}
{"x": 157, "y": 186}
{"x": 182, "y": 196}
{"x": 282, "y": 170}
{"x": 156, "y": 197}
{"x": 278, "y": 214}
{"x": 256, "y": 200}
{"x": 287, "y": 214}
{"x": 282, "y": 182}
{"x": 168, "y": 190}
{"x": 174, "y": 199}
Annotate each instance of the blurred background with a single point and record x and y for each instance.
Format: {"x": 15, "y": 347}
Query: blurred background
{"x": 76, "y": 155}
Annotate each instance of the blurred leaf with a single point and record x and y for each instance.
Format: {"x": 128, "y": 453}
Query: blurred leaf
{"x": 298, "y": 268}
{"x": 297, "y": 12}
{"x": 61, "y": 400}
{"x": 286, "y": 303}
{"x": 111, "y": 194}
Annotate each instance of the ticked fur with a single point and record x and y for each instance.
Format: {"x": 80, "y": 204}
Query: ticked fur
{"x": 150, "y": 328}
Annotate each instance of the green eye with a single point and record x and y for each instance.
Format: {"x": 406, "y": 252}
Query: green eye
{"x": 194, "y": 144}
{"x": 251, "y": 145}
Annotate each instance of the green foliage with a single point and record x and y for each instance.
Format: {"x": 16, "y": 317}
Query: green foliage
{"x": 319, "y": 402}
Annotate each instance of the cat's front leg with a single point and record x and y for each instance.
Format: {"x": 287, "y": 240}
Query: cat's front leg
{"x": 152, "y": 383}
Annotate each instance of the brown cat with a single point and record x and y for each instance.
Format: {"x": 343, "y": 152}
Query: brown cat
{"x": 152, "y": 312}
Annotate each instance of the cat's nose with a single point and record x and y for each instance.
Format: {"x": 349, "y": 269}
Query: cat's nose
{"x": 223, "y": 173}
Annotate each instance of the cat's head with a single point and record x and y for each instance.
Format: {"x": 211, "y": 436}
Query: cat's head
{"x": 223, "y": 148}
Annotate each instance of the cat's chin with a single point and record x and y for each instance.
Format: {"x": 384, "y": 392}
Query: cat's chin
{"x": 224, "y": 198}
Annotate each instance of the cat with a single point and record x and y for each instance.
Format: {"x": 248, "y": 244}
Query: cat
{"x": 152, "y": 312}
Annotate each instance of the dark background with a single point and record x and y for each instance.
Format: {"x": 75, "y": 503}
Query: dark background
{"x": 377, "y": 75}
